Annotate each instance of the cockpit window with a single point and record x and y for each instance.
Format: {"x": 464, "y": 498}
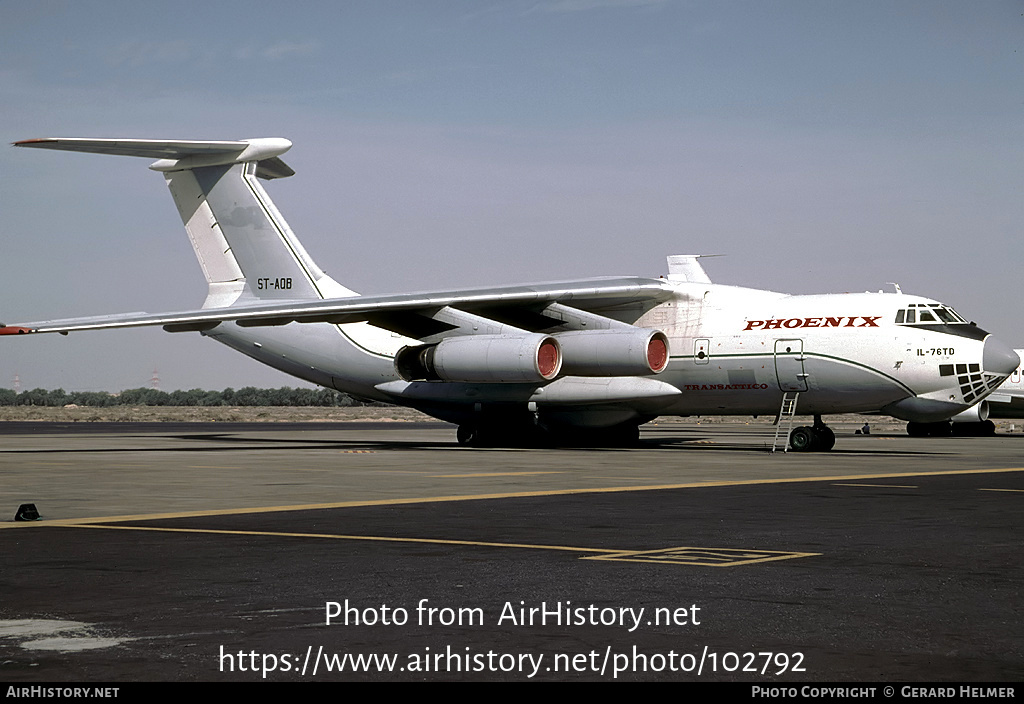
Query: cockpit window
{"x": 928, "y": 313}
{"x": 948, "y": 316}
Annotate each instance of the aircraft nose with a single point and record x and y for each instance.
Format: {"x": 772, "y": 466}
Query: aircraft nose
{"x": 997, "y": 358}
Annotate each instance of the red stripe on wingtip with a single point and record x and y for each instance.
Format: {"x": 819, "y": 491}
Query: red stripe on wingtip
{"x": 14, "y": 330}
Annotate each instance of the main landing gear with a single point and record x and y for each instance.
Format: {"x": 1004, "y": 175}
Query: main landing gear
{"x": 944, "y": 429}
{"x": 984, "y": 429}
{"x": 941, "y": 429}
{"x": 815, "y": 438}
{"x": 498, "y": 435}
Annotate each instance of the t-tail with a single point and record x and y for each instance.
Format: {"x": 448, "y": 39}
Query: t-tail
{"x": 247, "y": 252}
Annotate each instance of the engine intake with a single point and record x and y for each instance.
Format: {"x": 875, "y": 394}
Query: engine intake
{"x": 977, "y": 413}
{"x": 616, "y": 352}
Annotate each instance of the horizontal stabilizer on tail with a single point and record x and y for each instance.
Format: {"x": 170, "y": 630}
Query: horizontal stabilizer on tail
{"x": 176, "y": 154}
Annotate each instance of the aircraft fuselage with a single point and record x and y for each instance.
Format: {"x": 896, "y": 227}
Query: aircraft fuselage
{"x": 734, "y": 351}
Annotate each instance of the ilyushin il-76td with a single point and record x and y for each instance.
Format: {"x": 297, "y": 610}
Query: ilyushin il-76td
{"x": 582, "y": 359}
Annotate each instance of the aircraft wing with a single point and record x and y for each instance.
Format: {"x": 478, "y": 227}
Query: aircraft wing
{"x": 593, "y": 295}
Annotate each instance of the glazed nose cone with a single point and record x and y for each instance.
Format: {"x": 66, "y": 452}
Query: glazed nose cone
{"x": 998, "y": 358}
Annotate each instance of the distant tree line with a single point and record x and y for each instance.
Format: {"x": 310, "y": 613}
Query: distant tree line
{"x": 246, "y": 396}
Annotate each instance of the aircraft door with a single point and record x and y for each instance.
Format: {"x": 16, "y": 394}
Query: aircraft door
{"x": 789, "y": 365}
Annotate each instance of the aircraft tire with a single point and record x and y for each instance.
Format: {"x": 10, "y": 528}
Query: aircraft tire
{"x": 625, "y": 435}
{"x": 497, "y": 435}
{"x": 941, "y": 429}
{"x": 622, "y": 435}
{"x": 917, "y": 430}
{"x": 468, "y": 435}
{"x": 826, "y": 438}
{"x": 981, "y": 429}
{"x": 803, "y": 439}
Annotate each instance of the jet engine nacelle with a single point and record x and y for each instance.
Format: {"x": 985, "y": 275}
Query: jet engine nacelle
{"x": 483, "y": 358}
{"x": 616, "y": 352}
{"x": 977, "y": 413}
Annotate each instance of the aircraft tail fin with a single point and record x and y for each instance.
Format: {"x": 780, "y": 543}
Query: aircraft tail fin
{"x": 244, "y": 246}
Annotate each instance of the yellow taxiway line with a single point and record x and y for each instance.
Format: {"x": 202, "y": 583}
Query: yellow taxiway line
{"x": 501, "y": 495}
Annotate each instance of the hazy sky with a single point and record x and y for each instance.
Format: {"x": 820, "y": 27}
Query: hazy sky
{"x": 822, "y": 146}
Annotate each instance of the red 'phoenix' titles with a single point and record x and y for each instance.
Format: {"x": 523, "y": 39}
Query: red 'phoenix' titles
{"x": 843, "y": 321}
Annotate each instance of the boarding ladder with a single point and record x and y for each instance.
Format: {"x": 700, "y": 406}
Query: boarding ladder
{"x": 786, "y": 413}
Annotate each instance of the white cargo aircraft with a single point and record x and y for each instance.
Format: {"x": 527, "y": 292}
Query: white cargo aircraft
{"x": 599, "y": 356}
{"x": 1007, "y": 401}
